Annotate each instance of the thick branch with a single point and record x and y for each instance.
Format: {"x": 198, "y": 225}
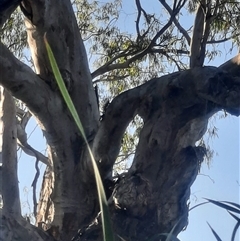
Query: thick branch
{"x": 208, "y": 21}
{"x": 65, "y": 146}
{"x": 198, "y": 32}
{"x": 175, "y": 110}
{"x": 208, "y": 86}
{"x": 22, "y": 82}
{"x": 10, "y": 191}
{"x": 62, "y": 32}
{"x": 232, "y": 66}
{"x": 201, "y": 33}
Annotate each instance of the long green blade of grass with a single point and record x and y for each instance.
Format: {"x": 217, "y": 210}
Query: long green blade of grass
{"x": 106, "y": 223}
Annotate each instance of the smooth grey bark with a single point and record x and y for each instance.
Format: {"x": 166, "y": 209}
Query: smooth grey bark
{"x": 40, "y": 93}
{"x": 201, "y": 30}
{"x": 151, "y": 198}
{"x": 8, "y": 132}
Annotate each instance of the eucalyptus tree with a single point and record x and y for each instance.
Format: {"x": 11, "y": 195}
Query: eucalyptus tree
{"x": 154, "y": 78}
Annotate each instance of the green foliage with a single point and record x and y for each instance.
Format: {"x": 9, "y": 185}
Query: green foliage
{"x": 13, "y": 34}
{"x": 225, "y": 20}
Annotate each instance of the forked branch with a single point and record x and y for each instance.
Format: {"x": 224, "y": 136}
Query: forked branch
{"x": 132, "y": 57}
{"x": 199, "y": 82}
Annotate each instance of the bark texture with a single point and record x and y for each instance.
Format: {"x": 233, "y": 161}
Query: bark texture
{"x": 8, "y": 169}
{"x": 151, "y": 198}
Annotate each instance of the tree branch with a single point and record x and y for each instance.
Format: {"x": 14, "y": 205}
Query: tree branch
{"x": 175, "y": 11}
{"x": 34, "y": 186}
{"x": 198, "y": 32}
{"x": 10, "y": 191}
{"x": 23, "y": 83}
{"x": 143, "y": 100}
{"x": 222, "y": 40}
{"x": 139, "y": 54}
{"x": 29, "y": 150}
{"x": 109, "y": 66}
{"x": 140, "y": 10}
{"x": 110, "y": 78}
{"x": 22, "y": 137}
{"x": 170, "y": 51}
{"x": 22, "y": 142}
{"x": 178, "y": 25}
{"x": 63, "y": 35}
{"x": 232, "y": 66}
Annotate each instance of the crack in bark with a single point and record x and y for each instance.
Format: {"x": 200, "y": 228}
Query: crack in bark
{"x": 166, "y": 149}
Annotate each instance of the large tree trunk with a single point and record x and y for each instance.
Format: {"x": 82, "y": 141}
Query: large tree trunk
{"x": 70, "y": 189}
{"x": 151, "y": 198}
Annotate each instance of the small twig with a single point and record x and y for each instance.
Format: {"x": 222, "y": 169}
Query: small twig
{"x": 138, "y": 54}
{"x": 140, "y": 10}
{"x": 176, "y": 22}
{"x": 222, "y": 40}
{"x": 34, "y": 186}
{"x": 22, "y": 142}
{"x": 206, "y": 176}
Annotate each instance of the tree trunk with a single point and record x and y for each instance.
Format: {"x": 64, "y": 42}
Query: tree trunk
{"x": 151, "y": 198}
{"x": 8, "y": 170}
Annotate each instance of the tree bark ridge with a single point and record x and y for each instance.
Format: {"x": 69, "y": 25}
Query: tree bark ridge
{"x": 9, "y": 192}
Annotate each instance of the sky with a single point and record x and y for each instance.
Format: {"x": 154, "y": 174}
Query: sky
{"x": 218, "y": 180}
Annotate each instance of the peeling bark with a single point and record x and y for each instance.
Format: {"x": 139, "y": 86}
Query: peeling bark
{"x": 152, "y": 196}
